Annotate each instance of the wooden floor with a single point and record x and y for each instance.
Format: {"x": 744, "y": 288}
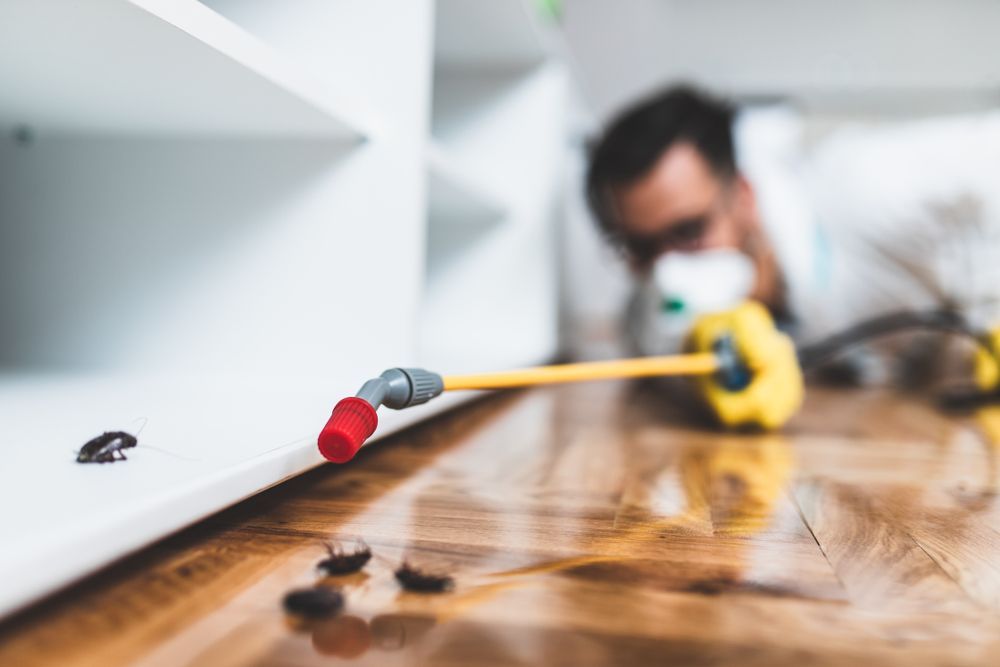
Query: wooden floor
{"x": 586, "y": 525}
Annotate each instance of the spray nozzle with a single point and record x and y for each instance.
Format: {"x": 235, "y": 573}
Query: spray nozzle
{"x": 354, "y": 419}
{"x": 352, "y": 422}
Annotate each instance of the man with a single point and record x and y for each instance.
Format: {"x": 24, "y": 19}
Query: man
{"x": 875, "y": 221}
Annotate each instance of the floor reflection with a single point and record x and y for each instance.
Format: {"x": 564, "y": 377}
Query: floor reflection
{"x": 350, "y": 637}
{"x": 552, "y": 493}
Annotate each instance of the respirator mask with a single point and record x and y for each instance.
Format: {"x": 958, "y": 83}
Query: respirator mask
{"x": 681, "y": 287}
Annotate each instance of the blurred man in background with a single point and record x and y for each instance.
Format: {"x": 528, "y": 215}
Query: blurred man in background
{"x": 874, "y": 220}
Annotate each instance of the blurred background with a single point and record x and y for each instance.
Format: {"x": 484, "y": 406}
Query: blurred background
{"x": 830, "y": 65}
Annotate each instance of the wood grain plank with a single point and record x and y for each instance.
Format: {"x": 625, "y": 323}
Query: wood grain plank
{"x": 879, "y": 563}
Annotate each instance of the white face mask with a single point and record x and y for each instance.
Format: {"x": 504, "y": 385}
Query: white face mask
{"x": 683, "y": 286}
{"x": 704, "y": 281}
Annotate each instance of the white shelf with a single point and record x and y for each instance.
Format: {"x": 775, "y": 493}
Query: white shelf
{"x": 455, "y": 196}
{"x": 222, "y": 321}
{"x": 153, "y": 67}
{"x": 489, "y": 34}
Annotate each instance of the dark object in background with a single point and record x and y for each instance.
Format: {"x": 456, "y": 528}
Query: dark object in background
{"x": 966, "y": 399}
{"x": 416, "y": 580}
{"x": 946, "y": 320}
{"x": 318, "y": 602}
{"x": 341, "y": 562}
{"x": 105, "y": 447}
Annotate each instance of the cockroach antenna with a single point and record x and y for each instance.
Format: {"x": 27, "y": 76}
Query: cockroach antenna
{"x": 418, "y": 581}
{"x": 145, "y": 420}
{"x": 342, "y": 562}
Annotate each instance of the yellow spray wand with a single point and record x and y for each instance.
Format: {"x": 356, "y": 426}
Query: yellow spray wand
{"x": 680, "y": 364}
{"x": 354, "y": 419}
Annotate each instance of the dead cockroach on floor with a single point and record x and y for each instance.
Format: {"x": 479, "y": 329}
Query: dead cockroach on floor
{"x": 316, "y": 602}
{"x": 413, "y": 579}
{"x": 343, "y": 562}
{"x": 106, "y": 448}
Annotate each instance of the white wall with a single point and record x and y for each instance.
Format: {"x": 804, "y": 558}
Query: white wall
{"x": 787, "y": 47}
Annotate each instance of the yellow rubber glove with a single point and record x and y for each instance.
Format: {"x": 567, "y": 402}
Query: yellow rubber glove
{"x": 776, "y": 387}
{"x": 987, "y": 366}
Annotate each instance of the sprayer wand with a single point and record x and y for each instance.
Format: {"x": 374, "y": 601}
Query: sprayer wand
{"x": 354, "y": 419}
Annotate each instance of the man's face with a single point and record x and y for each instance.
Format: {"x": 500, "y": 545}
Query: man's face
{"x": 681, "y": 205}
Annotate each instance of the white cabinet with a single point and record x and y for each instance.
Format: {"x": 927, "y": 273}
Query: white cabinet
{"x": 218, "y": 218}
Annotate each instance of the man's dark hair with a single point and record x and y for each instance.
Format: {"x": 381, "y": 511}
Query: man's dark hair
{"x": 636, "y": 139}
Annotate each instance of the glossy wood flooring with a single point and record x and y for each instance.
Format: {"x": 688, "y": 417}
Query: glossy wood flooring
{"x": 585, "y": 525}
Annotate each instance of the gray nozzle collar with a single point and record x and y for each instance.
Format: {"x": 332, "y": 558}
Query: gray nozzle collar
{"x": 399, "y": 388}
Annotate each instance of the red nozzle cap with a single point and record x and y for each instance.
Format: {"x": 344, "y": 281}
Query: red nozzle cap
{"x": 352, "y": 422}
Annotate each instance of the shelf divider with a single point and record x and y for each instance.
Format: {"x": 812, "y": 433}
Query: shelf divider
{"x": 457, "y": 197}
{"x": 154, "y": 67}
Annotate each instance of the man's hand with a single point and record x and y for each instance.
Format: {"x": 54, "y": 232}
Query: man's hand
{"x": 775, "y": 390}
{"x": 987, "y": 363}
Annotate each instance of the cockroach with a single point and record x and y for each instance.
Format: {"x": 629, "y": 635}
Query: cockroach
{"x": 316, "y": 602}
{"x": 413, "y": 579}
{"x": 342, "y": 562}
{"x": 107, "y": 447}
